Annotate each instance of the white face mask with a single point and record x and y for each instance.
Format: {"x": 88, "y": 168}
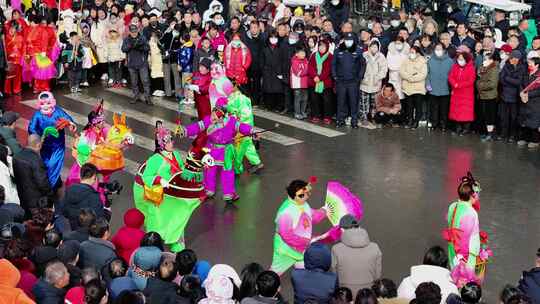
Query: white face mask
{"x": 370, "y": 25}
{"x": 348, "y": 43}
{"x": 334, "y": 2}
{"x": 399, "y": 46}
{"x": 461, "y": 62}
{"x": 439, "y": 53}
{"x": 394, "y": 23}
{"x": 273, "y": 40}
{"x": 220, "y": 21}
{"x": 293, "y": 40}
{"x": 412, "y": 56}
{"x": 504, "y": 56}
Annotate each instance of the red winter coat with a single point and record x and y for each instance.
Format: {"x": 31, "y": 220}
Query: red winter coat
{"x": 461, "y": 81}
{"x": 299, "y": 78}
{"x": 202, "y": 99}
{"x": 128, "y": 238}
{"x": 237, "y": 62}
{"x": 325, "y": 76}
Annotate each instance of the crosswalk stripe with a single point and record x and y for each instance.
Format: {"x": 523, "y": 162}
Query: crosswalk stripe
{"x": 190, "y": 111}
{"x": 131, "y": 167}
{"x": 140, "y": 141}
{"x": 257, "y": 112}
{"x": 313, "y": 128}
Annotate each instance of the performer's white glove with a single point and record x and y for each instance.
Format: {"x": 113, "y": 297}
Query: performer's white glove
{"x": 130, "y": 140}
{"x": 164, "y": 183}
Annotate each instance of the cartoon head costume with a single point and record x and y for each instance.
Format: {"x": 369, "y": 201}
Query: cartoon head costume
{"x": 49, "y": 123}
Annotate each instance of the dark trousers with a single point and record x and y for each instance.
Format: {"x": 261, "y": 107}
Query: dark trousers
{"x": 439, "y": 106}
{"x": 142, "y": 74}
{"x": 273, "y": 101}
{"x": 322, "y": 104}
{"x": 157, "y": 83}
{"x": 115, "y": 71}
{"x": 411, "y": 105}
{"x": 347, "y": 101}
{"x": 288, "y": 104}
{"x": 487, "y": 114}
{"x": 530, "y": 135}
{"x": 384, "y": 118}
{"x": 254, "y": 86}
{"x": 74, "y": 77}
{"x": 508, "y": 117}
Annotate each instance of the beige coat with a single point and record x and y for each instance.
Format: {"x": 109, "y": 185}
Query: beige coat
{"x": 376, "y": 70}
{"x": 154, "y": 58}
{"x": 413, "y": 76}
{"x": 114, "y": 49}
{"x": 98, "y": 35}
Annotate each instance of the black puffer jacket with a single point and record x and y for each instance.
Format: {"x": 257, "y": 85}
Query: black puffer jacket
{"x": 511, "y": 79}
{"x": 30, "y": 178}
{"x": 530, "y": 112}
{"x": 136, "y": 50}
{"x": 77, "y": 197}
{"x": 46, "y": 293}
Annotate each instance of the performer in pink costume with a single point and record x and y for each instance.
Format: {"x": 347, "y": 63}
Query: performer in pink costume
{"x": 93, "y": 134}
{"x": 221, "y": 131}
{"x": 221, "y": 86}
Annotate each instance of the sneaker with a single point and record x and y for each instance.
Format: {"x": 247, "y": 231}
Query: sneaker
{"x": 533, "y": 145}
{"x": 522, "y": 143}
{"x": 327, "y": 121}
{"x": 315, "y": 120}
{"x": 85, "y": 84}
{"x": 110, "y": 82}
{"x": 156, "y": 93}
{"x": 371, "y": 126}
{"x": 348, "y": 121}
{"x": 78, "y": 90}
{"x": 299, "y": 117}
{"x": 161, "y": 93}
{"x": 73, "y": 90}
{"x": 256, "y": 169}
{"x": 104, "y": 77}
{"x": 340, "y": 124}
{"x": 231, "y": 199}
{"x": 124, "y": 81}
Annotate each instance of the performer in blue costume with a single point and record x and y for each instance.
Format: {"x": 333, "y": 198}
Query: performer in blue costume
{"x": 49, "y": 123}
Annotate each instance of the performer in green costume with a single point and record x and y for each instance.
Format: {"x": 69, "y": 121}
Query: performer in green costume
{"x": 167, "y": 190}
{"x": 294, "y": 227}
{"x": 239, "y": 105}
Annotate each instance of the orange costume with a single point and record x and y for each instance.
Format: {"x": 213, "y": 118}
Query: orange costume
{"x": 41, "y": 53}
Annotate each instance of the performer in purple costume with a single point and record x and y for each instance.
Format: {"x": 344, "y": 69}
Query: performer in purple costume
{"x": 221, "y": 130}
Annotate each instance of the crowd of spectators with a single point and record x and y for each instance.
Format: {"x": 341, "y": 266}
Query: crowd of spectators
{"x": 415, "y": 68}
{"x": 408, "y": 71}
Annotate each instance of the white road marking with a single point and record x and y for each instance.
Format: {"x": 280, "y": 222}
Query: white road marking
{"x": 190, "y": 111}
